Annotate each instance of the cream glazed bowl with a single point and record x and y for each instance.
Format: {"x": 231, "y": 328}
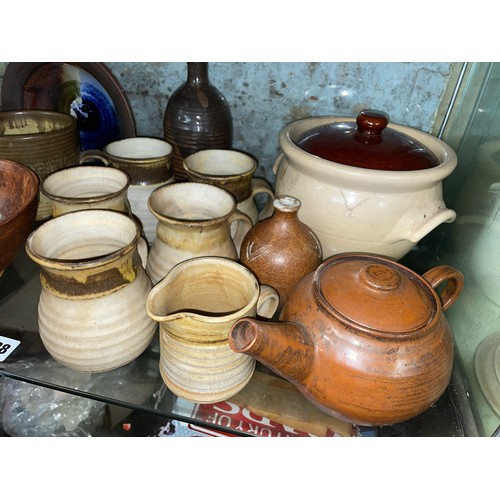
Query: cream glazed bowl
{"x": 352, "y": 208}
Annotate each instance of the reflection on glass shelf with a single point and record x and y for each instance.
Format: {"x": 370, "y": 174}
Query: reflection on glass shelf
{"x": 132, "y": 384}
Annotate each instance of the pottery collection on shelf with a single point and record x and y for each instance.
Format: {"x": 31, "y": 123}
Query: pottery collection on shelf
{"x": 164, "y": 239}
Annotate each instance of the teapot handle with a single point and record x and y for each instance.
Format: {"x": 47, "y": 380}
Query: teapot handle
{"x": 243, "y": 225}
{"x": 454, "y": 286}
{"x": 268, "y": 301}
{"x": 93, "y": 154}
{"x": 262, "y": 186}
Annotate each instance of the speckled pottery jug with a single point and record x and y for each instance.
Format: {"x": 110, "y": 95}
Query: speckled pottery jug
{"x": 92, "y": 310}
{"x": 194, "y": 220}
{"x": 196, "y": 305}
{"x": 233, "y": 171}
{"x": 45, "y": 141}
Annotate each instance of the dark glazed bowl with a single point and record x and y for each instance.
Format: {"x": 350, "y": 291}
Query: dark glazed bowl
{"x": 18, "y": 206}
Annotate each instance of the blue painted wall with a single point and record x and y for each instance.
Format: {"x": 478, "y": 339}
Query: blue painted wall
{"x": 264, "y": 96}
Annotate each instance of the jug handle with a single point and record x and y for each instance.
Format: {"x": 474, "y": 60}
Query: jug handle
{"x": 244, "y": 224}
{"x": 93, "y": 154}
{"x": 454, "y": 285}
{"x": 276, "y": 163}
{"x": 268, "y": 302}
{"x": 262, "y": 186}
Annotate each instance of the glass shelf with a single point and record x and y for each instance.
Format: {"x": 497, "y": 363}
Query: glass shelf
{"x": 267, "y": 406}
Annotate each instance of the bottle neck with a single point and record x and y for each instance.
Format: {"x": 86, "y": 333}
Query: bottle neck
{"x": 197, "y": 72}
{"x": 287, "y": 205}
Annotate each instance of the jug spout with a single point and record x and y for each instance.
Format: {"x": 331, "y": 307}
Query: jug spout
{"x": 284, "y": 347}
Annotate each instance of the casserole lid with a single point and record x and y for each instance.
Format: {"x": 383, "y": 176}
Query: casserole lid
{"x": 367, "y": 142}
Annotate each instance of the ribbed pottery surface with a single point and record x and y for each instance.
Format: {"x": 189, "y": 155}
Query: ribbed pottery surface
{"x": 197, "y": 117}
{"x": 99, "y": 334}
{"x": 207, "y": 136}
{"x": 203, "y": 372}
{"x": 58, "y": 146}
{"x": 184, "y": 244}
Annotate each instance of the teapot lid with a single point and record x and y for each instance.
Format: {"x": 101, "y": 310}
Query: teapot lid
{"x": 376, "y": 293}
{"x": 367, "y": 143}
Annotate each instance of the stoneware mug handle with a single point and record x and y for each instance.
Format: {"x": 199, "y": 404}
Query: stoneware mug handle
{"x": 243, "y": 225}
{"x": 268, "y": 301}
{"x": 454, "y": 285}
{"x": 262, "y": 186}
{"x": 93, "y": 154}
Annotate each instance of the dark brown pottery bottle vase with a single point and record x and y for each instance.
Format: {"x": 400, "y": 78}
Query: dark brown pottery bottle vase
{"x": 197, "y": 117}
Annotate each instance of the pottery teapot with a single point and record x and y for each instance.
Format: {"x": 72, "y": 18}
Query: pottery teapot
{"x": 366, "y": 185}
{"x": 363, "y": 337}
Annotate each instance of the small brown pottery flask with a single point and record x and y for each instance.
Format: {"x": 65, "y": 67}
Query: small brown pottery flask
{"x": 281, "y": 249}
{"x": 197, "y": 117}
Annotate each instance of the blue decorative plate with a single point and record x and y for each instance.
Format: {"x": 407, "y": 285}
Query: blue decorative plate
{"x": 88, "y": 91}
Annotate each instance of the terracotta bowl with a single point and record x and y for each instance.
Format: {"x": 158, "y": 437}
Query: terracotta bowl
{"x": 18, "y": 205}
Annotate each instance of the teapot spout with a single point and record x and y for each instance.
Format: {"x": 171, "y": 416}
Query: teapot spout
{"x": 284, "y": 347}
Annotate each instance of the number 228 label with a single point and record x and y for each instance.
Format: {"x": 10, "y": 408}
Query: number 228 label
{"x": 7, "y": 346}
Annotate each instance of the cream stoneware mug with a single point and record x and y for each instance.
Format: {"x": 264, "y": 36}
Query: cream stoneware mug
{"x": 147, "y": 161}
{"x": 233, "y": 171}
{"x": 195, "y": 305}
{"x": 194, "y": 220}
{"x": 86, "y": 187}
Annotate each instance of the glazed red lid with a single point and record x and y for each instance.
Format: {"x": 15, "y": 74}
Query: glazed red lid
{"x": 367, "y": 143}
{"x": 375, "y": 293}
